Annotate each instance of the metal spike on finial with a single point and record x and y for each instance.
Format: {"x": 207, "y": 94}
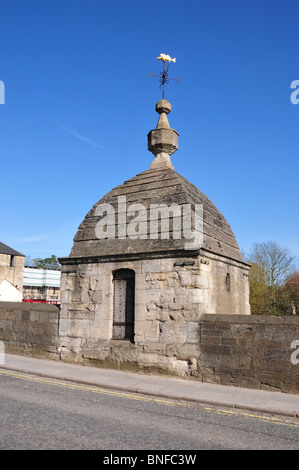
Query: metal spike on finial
{"x": 164, "y": 75}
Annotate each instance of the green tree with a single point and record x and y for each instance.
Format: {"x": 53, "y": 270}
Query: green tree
{"x": 259, "y": 297}
{"x": 50, "y": 263}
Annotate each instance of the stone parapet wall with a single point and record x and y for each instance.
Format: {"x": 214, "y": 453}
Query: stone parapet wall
{"x": 30, "y": 329}
{"x": 239, "y": 350}
{"x": 249, "y": 351}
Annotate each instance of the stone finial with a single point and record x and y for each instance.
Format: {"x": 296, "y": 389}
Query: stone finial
{"x": 162, "y": 141}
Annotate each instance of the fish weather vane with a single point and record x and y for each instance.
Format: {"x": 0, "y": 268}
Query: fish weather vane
{"x": 164, "y": 75}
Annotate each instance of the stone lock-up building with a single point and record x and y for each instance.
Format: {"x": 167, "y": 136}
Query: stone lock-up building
{"x": 148, "y": 260}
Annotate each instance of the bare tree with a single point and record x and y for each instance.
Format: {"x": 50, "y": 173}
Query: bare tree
{"x": 29, "y": 261}
{"x": 276, "y": 265}
{"x": 276, "y": 262}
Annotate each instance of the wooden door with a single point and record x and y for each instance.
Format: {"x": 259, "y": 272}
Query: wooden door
{"x": 130, "y": 300}
{"x": 119, "y": 310}
{"x": 123, "y": 304}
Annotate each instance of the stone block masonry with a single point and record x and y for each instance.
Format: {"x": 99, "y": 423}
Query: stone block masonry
{"x": 170, "y": 296}
{"x": 249, "y": 351}
{"x": 30, "y": 329}
{"x": 239, "y": 350}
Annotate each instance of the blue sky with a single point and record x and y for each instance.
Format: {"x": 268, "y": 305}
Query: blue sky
{"x": 79, "y": 103}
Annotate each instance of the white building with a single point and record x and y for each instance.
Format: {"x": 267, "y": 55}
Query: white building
{"x": 9, "y": 292}
{"x": 41, "y": 284}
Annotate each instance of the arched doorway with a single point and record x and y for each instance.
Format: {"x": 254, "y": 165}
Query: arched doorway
{"x": 123, "y": 304}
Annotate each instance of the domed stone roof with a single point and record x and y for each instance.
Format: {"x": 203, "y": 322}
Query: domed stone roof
{"x": 126, "y": 211}
{"x": 154, "y": 186}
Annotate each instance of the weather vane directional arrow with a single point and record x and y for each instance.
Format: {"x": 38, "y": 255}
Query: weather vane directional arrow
{"x": 164, "y": 75}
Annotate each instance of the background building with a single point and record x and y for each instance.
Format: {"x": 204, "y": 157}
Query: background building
{"x": 11, "y": 274}
{"x": 41, "y": 284}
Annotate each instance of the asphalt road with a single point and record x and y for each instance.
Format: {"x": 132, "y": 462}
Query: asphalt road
{"x": 39, "y": 413}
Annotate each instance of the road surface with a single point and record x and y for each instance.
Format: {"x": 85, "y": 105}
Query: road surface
{"x": 37, "y": 413}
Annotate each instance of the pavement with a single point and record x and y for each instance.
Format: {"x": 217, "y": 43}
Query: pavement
{"x": 262, "y": 401}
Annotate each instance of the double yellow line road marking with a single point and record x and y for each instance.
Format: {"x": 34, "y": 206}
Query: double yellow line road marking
{"x": 214, "y": 410}
{"x": 271, "y": 419}
{"x": 88, "y": 388}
